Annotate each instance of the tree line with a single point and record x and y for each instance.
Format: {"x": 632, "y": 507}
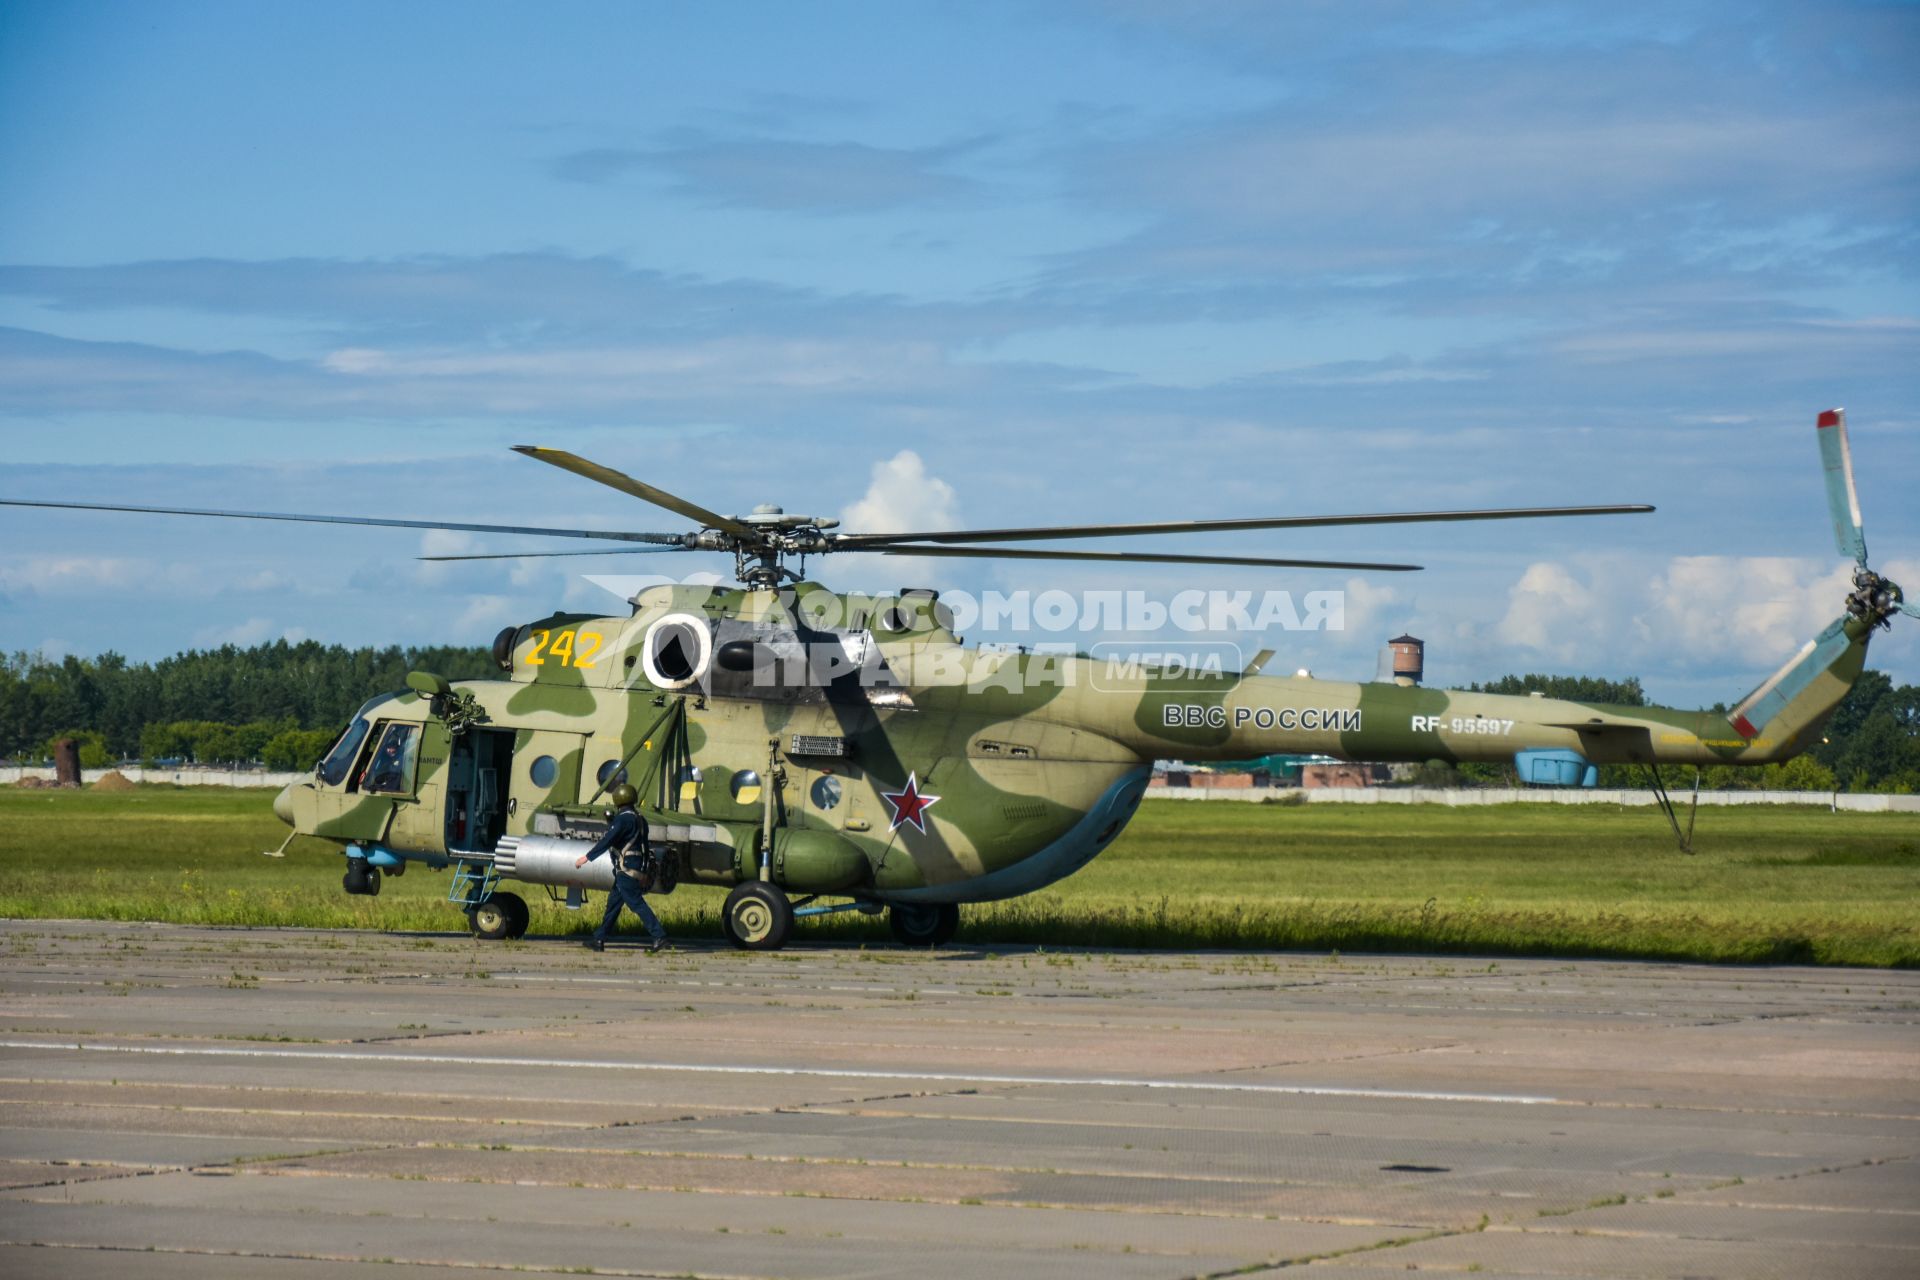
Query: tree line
{"x": 274, "y": 702}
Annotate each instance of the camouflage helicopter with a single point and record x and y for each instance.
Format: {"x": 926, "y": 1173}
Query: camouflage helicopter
{"x": 814, "y": 752}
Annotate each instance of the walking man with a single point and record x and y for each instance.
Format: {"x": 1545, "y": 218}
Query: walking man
{"x": 633, "y": 869}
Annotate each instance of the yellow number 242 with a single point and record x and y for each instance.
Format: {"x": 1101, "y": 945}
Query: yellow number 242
{"x": 568, "y": 648}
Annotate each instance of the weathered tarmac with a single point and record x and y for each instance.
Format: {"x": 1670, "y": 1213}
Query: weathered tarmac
{"x": 294, "y": 1103}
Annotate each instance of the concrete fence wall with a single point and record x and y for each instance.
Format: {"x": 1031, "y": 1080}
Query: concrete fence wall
{"x": 1536, "y": 795}
{"x": 191, "y": 776}
{"x": 196, "y": 777}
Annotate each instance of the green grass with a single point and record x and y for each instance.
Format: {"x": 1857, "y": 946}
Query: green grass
{"x": 1767, "y": 884}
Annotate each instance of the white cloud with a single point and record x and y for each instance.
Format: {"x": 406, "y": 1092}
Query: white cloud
{"x": 445, "y": 542}
{"x": 1697, "y": 341}
{"x": 442, "y": 542}
{"x": 902, "y": 498}
{"x": 586, "y": 590}
{"x": 623, "y": 586}
{"x": 1366, "y": 605}
{"x": 1548, "y": 610}
{"x": 781, "y": 174}
{"x": 265, "y": 580}
{"x": 73, "y": 574}
{"x": 1744, "y": 612}
{"x": 486, "y": 613}
{"x": 356, "y": 360}
{"x": 253, "y": 631}
{"x": 1753, "y": 609}
{"x": 657, "y": 370}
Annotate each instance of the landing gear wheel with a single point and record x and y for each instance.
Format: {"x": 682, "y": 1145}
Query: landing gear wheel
{"x": 914, "y": 925}
{"x": 519, "y": 915}
{"x": 757, "y": 916}
{"x": 361, "y": 879}
{"x": 493, "y": 920}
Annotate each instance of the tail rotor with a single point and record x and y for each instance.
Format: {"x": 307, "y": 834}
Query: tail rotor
{"x": 1873, "y": 599}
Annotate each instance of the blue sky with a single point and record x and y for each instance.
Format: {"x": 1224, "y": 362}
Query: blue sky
{"x": 1121, "y": 260}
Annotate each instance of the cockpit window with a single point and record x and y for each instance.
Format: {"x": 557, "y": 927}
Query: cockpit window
{"x": 339, "y": 762}
{"x": 390, "y": 772}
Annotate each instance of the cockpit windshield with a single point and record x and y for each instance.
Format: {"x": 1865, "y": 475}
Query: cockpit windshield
{"x": 339, "y": 762}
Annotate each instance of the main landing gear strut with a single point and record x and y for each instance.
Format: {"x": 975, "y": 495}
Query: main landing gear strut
{"x": 1665, "y": 802}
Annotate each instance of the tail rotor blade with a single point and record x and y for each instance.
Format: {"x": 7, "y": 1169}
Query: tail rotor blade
{"x": 1843, "y": 501}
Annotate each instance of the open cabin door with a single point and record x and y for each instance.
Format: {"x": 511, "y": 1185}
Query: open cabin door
{"x": 479, "y": 764}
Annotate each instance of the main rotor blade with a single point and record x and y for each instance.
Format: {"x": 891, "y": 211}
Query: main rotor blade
{"x": 1125, "y": 557}
{"x": 638, "y": 489}
{"x": 532, "y": 555}
{"x": 609, "y": 535}
{"x": 848, "y": 541}
{"x": 1843, "y": 502}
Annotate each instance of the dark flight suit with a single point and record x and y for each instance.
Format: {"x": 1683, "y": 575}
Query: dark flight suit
{"x": 628, "y": 830}
{"x": 386, "y": 772}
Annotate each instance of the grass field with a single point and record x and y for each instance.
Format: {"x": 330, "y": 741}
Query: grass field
{"x": 1766, "y": 885}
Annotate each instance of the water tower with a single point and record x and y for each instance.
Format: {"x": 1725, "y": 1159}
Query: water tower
{"x": 1403, "y": 660}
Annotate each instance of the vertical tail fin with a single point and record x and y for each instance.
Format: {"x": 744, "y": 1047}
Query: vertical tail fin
{"x": 1788, "y": 708}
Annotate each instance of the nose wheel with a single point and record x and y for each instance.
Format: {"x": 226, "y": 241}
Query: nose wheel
{"x": 757, "y": 916}
{"x": 914, "y": 925}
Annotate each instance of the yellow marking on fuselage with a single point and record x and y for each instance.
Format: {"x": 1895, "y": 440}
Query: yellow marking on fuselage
{"x": 571, "y": 648}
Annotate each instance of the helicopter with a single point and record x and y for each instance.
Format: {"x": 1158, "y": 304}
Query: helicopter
{"x": 814, "y": 752}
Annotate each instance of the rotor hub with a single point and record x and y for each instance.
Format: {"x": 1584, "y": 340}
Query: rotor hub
{"x": 1874, "y": 599}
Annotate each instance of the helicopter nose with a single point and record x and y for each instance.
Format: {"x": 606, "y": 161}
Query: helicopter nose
{"x": 283, "y": 803}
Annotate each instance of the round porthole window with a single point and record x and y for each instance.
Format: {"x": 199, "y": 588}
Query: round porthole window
{"x": 543, "y": 771}
{"x": 610, "y": 773}
{"x": 745, "y": 786}
{"x": 825, "y": 793}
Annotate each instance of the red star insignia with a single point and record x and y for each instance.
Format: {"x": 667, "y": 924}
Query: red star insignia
{"x": 909, "y": 805}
